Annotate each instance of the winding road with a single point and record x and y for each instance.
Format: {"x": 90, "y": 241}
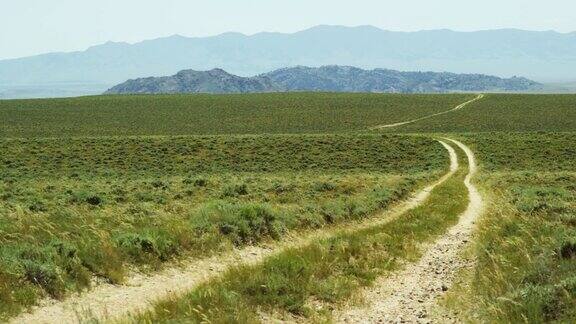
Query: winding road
{"x": 407, "y": 295}
{"x": 460, "y": 106}
{"x": 411, "y": 295}
{"x": 107, "y": 302}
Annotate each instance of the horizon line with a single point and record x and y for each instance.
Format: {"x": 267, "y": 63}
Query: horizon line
{"x": 287, "y": 33}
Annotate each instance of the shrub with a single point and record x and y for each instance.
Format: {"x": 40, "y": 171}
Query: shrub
{"x": 147, "y": 246}
{"x": 280, "y": 188}
{"x": 159, "y": 184}
{"x": 568, "y": 249}
{"x": 44, "y": 275}
{"x": 324, "y": 186}
{"x": 333, "y": 212}
{"x": 94, "y": 200}
{"x": 38, "y": 206}
{"x": 245, "y": 223}
{"x": 200, "y": 182}
{"x": 235, "y": 190}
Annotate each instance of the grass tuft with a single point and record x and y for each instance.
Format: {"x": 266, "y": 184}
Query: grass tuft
{"x": 328, "y": 271}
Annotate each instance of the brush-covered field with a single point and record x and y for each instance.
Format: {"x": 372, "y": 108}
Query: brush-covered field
{"x": 526, "y": 244}
{"x": 276, "y": 113}
{"x": 75, "y": 209}
{"x": 504, "y": 113}
{"x": 95, "y": 189}
{"x": 306, "y": 283}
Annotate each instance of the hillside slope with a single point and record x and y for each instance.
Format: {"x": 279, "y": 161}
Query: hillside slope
{"x": 351, "y": 79}
{"x": 326, "y": 78}
{"x": 190, "y": 81}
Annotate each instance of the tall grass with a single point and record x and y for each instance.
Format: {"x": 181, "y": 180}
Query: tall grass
{"x": 327, "y": 272}
{"x": 526, "y": 252}
{"x": 524, "y": 247}
{"x": 78, "y": 209}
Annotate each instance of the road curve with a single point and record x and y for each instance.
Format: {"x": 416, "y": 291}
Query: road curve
{"x": 460, "y": 106}
{"x": 107, "y": 302}
{"x": 410, "y": 295}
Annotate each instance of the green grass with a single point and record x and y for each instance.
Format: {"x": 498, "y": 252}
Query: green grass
{"x": 503, "y": 113}
{"x": 525, "y": 247}
{"x": 72, "y": 209}
{"x": 280, "y": 113}
{"x": 213, "y": 114}
{"x": 189, "y": 155}
{"x": 92, "y": 186}
{"x": 328, "y": 272}
{"x": 526, "y": 251}
{"x": 541, "y": 151}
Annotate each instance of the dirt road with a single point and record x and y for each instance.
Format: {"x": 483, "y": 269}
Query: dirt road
{"x": 109, "y": 302}
{"x": 410, "y": 295}
{"x": 480, "y": 96}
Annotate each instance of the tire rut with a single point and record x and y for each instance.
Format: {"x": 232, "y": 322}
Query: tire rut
{"x": 410, "y": 295}
{"x": 480, "y": 96}
{"x": 112, "y": 302}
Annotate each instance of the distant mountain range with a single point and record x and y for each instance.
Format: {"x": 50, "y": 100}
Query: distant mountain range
{"x": 541, "y": 56}
{"x": 326, "y": 78}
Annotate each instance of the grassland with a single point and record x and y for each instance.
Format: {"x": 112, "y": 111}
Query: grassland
{"x": 280, "y": 113}
{"x": 525, "y": 246}
{"x": 307, "y": 282}
{"x": 531, "y": 151}
{"x": 94, "y": 186}
{"x": 504, "y": 113}
{"x": 72, "y": 209}
{"x": 525, "y": 250}
{"x": 213, "y": 114}
{"x": 192, "y": 154}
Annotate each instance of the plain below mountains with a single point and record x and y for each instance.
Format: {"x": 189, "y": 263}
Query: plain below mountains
{"x": 326, "y": 78}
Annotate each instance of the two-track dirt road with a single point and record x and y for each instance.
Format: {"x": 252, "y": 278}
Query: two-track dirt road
{"x": 407, "y": 295}
{"x": 410, "y": 295}
{"x": 110, "y": 302}
{"x": 460, "y": 106}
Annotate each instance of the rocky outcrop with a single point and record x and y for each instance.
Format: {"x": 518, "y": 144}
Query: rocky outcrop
{"x": 190, "y": 81}
{"x": 326, "y": 78}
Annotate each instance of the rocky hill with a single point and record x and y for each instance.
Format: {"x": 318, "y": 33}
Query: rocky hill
{"x": 190, "y": 81}
{"x": 326, "y": 78}
{"x": 351, "y": 79}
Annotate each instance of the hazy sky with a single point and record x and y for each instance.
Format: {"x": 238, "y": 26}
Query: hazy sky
{"x": 29, "y": 27}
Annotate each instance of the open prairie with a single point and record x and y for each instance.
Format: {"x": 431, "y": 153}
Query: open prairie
{"x": 278, "y": 113}
{"x": 504, "y": 113}
{"x": 305, "y": 207}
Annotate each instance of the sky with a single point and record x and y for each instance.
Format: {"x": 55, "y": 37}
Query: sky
{"x": 30, "y": 27}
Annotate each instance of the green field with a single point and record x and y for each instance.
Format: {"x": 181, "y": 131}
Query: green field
{"x": 279, "y": 113}
{"x": 99, "y": 187}
{"x": 504, "y": 113}
{"x": 193, "y": 154}
{"x": 526, "y": 241}
{"x": 213, "y": 114}
{"x": 77, "y": 208}
{"x": 525, "y": 248}
{"x": 541, "y": 152}
{"x": 329, "y": 271}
